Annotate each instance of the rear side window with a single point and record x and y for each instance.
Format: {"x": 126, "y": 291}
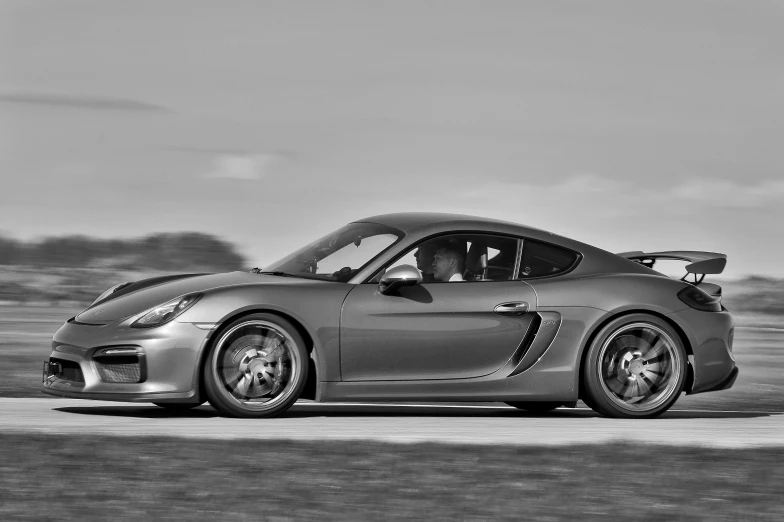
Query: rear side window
{"x": 542, "y": 260}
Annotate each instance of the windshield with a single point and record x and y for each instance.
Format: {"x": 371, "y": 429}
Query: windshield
{"x": 340, "y": 255}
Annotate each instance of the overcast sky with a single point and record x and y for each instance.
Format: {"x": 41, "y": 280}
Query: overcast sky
{"x": 630, "y": 125}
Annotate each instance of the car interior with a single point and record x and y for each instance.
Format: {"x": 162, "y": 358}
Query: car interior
{"x": 490, "y": 259}
{"x": 541, "y": 259}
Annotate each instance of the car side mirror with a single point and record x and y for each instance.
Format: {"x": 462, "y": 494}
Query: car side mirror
{"x": 400, "y": 276}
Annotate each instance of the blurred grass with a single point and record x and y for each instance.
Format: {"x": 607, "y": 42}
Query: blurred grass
{"x": 25, "y": 342}
{"x": 99, "y": 478}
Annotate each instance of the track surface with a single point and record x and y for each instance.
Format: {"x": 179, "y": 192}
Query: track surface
{"x": 395, "y": 423}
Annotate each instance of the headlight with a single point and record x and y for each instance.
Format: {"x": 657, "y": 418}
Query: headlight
{"x": 166, "y": 312}
{"x": 699, "y": 300}
{"x": 111, "y": 291}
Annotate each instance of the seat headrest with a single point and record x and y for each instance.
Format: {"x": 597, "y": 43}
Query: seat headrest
{"x": 474, "y": 258}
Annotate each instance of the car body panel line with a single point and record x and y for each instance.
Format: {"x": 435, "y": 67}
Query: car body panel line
{"x": 436, "y": 331}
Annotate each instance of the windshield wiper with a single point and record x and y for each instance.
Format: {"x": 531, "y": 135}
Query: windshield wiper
{"x": 273, "y": 272}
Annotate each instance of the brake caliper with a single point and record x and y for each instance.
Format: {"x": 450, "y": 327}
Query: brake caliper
{"x": 274, "y": 365}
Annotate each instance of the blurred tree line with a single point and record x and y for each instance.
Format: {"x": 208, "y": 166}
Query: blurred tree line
{"x": 755, "y": 294}
{"x": 180, "y": 251}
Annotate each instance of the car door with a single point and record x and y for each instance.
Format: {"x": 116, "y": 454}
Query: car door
{"x": 433, "y": 330}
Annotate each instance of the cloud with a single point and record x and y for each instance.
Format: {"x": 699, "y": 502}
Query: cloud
{"x": 725, "y": 193}
{"x": 584, "y": 182}
{"x": 607, "y": 197}
{"x": 81, "y": 102}
{"x": 219, "y": 151}
{"x": 581, "y": 191}
{"x": 241, "y": 166}
{"x": 208, "y": 150}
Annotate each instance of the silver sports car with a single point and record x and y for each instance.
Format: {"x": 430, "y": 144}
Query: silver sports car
{"x": 410, "y": 307}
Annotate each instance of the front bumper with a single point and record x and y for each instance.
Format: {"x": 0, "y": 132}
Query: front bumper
{"x": 167, "y": 370}
{"x": 710, "y": 336}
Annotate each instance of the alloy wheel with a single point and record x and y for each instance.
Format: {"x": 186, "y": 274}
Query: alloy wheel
{"x": 639, "y": 367}
{"x": 256, "y": 366}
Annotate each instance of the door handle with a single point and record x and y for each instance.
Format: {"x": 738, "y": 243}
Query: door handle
{"x": 515, "y": 308}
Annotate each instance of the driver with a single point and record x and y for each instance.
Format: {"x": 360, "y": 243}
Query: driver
{"x": 449, "y": 262}
{"x": 425, "y": 255}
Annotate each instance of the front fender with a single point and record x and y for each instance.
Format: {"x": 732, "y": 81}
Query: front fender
{"x": 314, "y": 308}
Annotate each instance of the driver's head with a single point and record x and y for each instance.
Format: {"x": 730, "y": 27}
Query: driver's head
{"x": 424, "y": 257}
{"x": 449, "y": 260}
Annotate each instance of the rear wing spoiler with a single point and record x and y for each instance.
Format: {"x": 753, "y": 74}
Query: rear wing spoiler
{"x": 700, "y": 263}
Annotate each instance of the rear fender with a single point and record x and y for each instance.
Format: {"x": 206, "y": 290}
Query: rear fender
{"x": 611, "y": 316}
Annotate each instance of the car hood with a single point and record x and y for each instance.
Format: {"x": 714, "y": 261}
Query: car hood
{"x": 148, "y": 293}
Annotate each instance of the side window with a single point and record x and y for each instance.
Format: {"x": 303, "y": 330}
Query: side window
{"x": 462, "y": 257}
{"x": 542, "y": 259}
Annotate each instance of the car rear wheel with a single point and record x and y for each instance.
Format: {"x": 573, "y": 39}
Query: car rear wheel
{"x": 535, "y": 407}
{"x": 635, "y": 368}
{"x": 256, "y": 368}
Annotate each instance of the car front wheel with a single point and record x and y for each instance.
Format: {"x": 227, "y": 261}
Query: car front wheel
{"x": 635, "y": 368}
{"x": 256, "y": 368}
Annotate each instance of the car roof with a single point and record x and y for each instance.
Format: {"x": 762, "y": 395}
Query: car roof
{"x": 413, "y": 221}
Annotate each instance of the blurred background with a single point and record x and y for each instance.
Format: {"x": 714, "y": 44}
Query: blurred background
{"x": 146, "y": 137}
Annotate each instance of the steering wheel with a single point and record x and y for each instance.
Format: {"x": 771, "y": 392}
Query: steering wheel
{"x": 344, "y": 274}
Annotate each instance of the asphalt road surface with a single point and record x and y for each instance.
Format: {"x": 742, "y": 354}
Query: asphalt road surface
{"x": 395, "y": 423}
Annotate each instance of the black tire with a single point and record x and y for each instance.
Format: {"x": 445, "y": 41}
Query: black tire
{"x": 178, "y": 406}
{"x": 635, "y": 368}
{"x": 256, "y": 368}
{"x": 535, "y": 407}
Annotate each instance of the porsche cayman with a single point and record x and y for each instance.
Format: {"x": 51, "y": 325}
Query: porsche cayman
{"x": 410, "y": 307}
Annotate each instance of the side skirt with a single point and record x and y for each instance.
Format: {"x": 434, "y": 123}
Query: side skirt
{"x": 458, "y": 390}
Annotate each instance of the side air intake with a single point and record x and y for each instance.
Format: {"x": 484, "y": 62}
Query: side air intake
{"x": 547, "y": 325}
{"x": 528, "y": 339}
